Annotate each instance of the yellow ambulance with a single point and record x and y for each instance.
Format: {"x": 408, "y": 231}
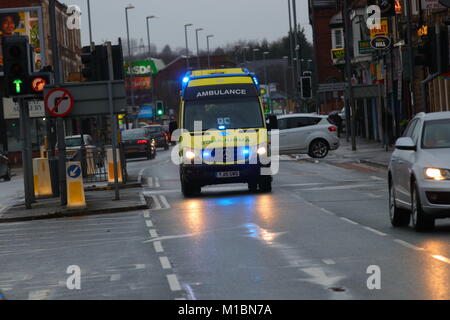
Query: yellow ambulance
{"x": 223, "y": 131}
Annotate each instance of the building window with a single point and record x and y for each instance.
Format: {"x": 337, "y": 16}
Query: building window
{"x": 338, "y": 38}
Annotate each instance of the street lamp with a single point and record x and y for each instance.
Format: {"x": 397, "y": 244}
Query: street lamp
{"x": 207, "y": 44}
{"x": 130, "y": 6}
{"x": 254, "y": 53}
{"x": 187, "y": 48}
{"x": 286, "y": 65}
{"x": 148, "y": 34}
{"x": 265, "y": 81}
{"x": 90, "y": 25}
{"x": 245, "y": 51}
{"x": 198, "y": 51}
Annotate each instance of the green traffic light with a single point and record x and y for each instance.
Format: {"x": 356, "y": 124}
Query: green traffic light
{"x": 18, "y": 84}
{"x": 160, "y": 112}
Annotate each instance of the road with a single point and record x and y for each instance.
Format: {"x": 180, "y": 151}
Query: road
{"x": 319, "y": 235}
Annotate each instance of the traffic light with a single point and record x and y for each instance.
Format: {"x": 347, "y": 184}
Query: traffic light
{"x": 17, "y": 65}
{"x": 159, "y": 108}
{"x": 95, "y": 62}
{"x": 306, "y": 87}
{"x": 37, "y": 81}
{"x": 433, "y": 52}
{"x": 88, "y": 61}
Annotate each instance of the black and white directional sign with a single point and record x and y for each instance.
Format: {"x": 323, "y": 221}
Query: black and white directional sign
{"x": 59, "y": 102}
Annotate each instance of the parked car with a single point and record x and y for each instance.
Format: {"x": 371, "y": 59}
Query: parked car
{"x": 138, "y": 143}
{"x": 308, "y": 134}
{"x": 5, "y": 167}
{"x": 156, "y": 131}
{"x": 419, "y": 173}
{"x": 166, "y": 130}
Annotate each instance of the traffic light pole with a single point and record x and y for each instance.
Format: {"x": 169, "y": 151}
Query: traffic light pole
{"x": 60, "y": 121}
{"x": 27, "y": 155}
{"x": 113, "y": 120}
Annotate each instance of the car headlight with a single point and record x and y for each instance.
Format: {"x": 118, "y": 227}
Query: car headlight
{"x": 262, "y": 151}
{"x": 189, "y": 155}
{"x": 437, "y": 174}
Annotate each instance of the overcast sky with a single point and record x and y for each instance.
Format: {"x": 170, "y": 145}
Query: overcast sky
{"x": 227, "y": 20}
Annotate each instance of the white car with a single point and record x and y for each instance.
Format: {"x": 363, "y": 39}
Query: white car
{"x": 310, "y": 134}
{"x": 419, "y": 172}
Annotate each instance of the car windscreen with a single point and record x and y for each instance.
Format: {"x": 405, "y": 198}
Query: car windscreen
{"x": 436, "y": 134}
{"x": 73, "y": 142}
{"x": 133, "y": 134}
{"x": 224, "y": 114}
{"x": 153, "y": 129}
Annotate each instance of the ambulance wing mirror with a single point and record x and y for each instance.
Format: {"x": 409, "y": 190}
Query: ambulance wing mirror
{"x": 272, "y": 122}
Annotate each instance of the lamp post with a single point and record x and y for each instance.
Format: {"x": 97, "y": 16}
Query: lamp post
{"x": 187, "y": 48}
{"x": 198, "y": 51}
{"x": 254, "y": 53}
{"x": 207, "y": 44}
{"x": 245, "y": 56}
{"x": 130, "y": 6}
{"x": 265, "y": 81}
{"x": 286, "y": 65}
{"x": 148, "y": 34}
{"x": 90, "y": 25}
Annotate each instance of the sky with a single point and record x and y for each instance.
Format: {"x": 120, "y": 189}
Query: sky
{"x": 227, "y": 20}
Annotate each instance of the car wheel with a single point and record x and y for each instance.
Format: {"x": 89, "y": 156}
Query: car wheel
{"x": 399, "y": 217}
{"x": 318, "y": 149}
{"x": 420, "y": 221}
{"x": 190, "y": 189}
{"x": 7, "y": 176}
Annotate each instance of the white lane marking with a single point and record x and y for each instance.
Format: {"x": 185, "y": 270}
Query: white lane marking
{"x": 140, "y": 266}
{"x": 344, "y": 187}
{"x": 150, "y": 182}
{"x": 141, "y": 195}
{"x": 149, "y": 223}
{"x": 147, "y": 214}
{"x": 376, "y": 178}
{"x": 328, "y": 261}
{"x": 372, "y": 195}
{"x": 441, "y": 258}
{"x": 115, "y": 277}
{"x": 157, "y": 185}
{"x": 319, "y": 276}
{"x": 375, "y": 231}
{"x": 158, "y": 246}
{"x": 408, "y": 245}
{"x": 153, "y": 233}
{"x": 156, "y": 202}
{"x": 165, "y": 263}
{"x": 180, "y": 298}
{"x": 173, "y": 282}
{"x": 164, "y": 202}
{"x": 39, "y": 295}
{"x": 141, "y": 172}
{"x": 327, "y": 211}
{"x": 349, "y": 221}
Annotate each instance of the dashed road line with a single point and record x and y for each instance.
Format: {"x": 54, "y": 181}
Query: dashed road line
{"x": 165, "y": 263}
{"x": 328, "y": 261}
{"x": 153, "y": 233}
{"x": 349, "y": 221}
{"x": 408, "y": 245}
{"x": 158, "y": 246}
{"x": 165, "y": 202}
{"x": 157, "y": 185}
{"x": 115, "y": 277}
{"x": 150, "y": 182}
{"x": 375, "y": 231}
{"x": 141, "y": 172}
{"x": 149, "y": 223}
{"x": 441, "y": 258}
{"x": 173, "y": 282}
{"x": 147, "y": 214}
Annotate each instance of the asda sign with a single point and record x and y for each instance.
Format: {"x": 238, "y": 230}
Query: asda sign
{"x": 140, "y": 68}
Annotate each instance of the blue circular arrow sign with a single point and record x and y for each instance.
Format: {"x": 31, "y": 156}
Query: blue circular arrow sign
{"x": 74, "y": 171}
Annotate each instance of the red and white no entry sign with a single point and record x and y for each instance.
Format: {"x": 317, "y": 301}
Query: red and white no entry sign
{"x": 59, "y": 102}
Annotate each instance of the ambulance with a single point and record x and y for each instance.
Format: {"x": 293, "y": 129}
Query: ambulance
{"x": 224, "y": 137}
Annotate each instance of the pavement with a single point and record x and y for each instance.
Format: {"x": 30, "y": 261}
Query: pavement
{"x": 100, "y": 199}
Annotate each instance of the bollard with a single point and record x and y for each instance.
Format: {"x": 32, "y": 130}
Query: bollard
{"x": 42, "y": 181}
{"x": 110, "y": 161}
{"x": 75, "y": 186}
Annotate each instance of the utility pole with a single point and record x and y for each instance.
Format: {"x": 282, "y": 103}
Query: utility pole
{"x": 198, "y": 51}
{"x": 296, "y": 46}
{"x": 187, "y": 48}
{"x": 207, "y": 47}
{"x": 131, "y": 76}
{"x": 348, "y": 64}
{"x": 411, "y": 56}
{"x": 60, "y": 121}
{"x": 91, "y": 43}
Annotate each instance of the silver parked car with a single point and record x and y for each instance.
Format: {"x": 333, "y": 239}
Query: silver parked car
{"x": 310, "y": 134}
{"x": 419, "y": 172}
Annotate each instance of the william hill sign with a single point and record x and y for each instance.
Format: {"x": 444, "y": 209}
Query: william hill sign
{"x": 381, "y": 43}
